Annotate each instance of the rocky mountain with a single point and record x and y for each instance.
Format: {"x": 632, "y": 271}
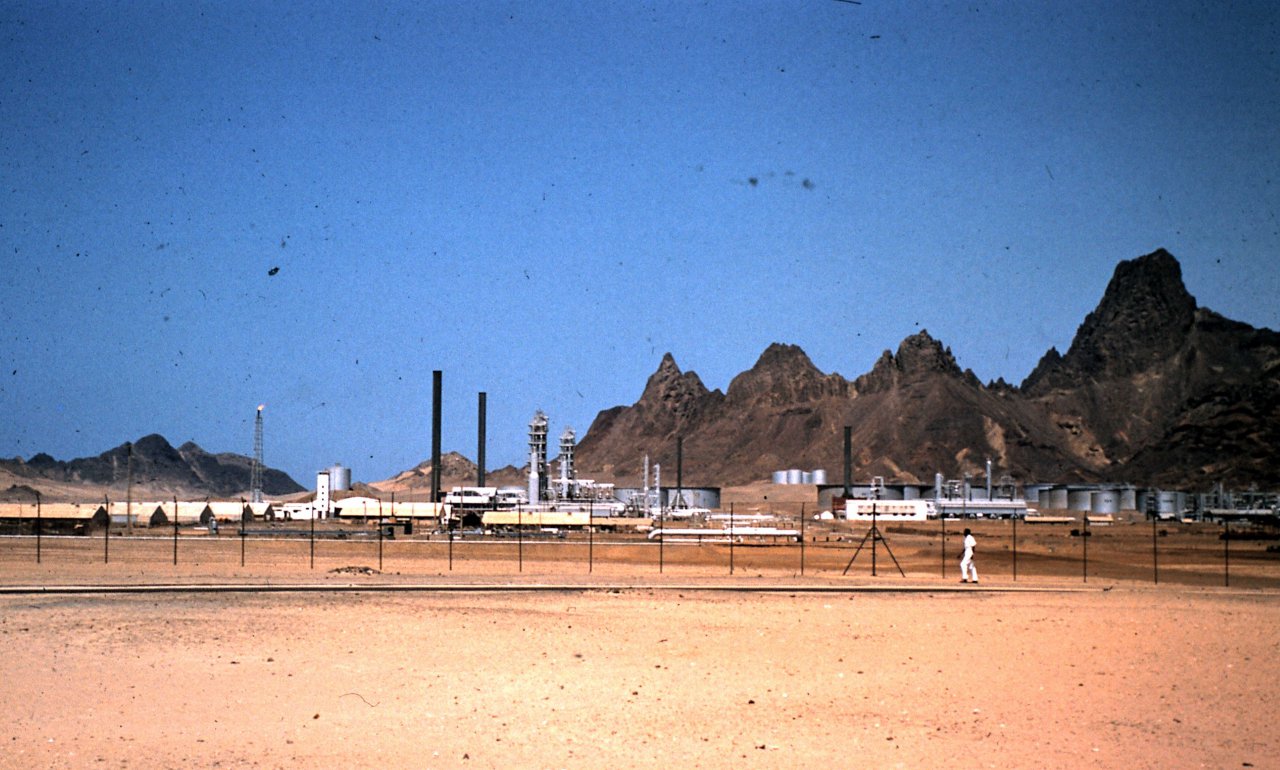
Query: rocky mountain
{"x": 1153, "y": 390}
{"x": 158, "y": 469}
{"x": 455, "y": 470}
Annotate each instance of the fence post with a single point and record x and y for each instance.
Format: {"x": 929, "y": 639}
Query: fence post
{"x": 106, "y": 534}
{"x": 875, "y": 535}
{"x": 801, "y": 539}
{"x": 1226, "y": 552}
{"x": 942, "y": 517}
{"x": 520, "y": 537}
{"x": 380, "y": 534}
{"x": 1155, "y": 550}
{"x": 313, "y": 537}
{"x": 661, "y": 535}
{"x": 730, "y": 538}
{"x": 591, "y": 536}
{"x": 1084, "y": 537}
{"x": 1015, "y": 548}
{"x": 39, "y": 526}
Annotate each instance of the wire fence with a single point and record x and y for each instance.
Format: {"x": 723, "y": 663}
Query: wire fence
{"x": 1008, "y": 551}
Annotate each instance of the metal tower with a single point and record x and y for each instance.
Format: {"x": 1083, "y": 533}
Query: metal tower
{"x": 568, "y": 476}
{"x": 255, "y": 472}
{"x": 538, "y": 452}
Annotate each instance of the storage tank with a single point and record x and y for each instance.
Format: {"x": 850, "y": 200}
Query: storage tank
{"x": 795, "y": 476}
{"x": 690, "y": 497}
{"x": 910, "y": 492}
{"x": 1105, "y": 501}
{"x": 779, "y": 477}
{"x": 806, "y": 478}
{"x": 1057, "y": 499}
{"x": 1079, "y": 499}
{"x": 1128, "y": 499}
{"x": 1167, "y": 504}
{"x": 819, "y": 476}
{"x": 339, "y": 478}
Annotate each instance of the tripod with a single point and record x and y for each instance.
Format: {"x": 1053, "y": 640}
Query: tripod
{"x": 873, "y": 535}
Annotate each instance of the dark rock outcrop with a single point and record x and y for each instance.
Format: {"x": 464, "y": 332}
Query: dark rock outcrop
{"x": 1153, "y": 390}
{"x": 157, "y": 467}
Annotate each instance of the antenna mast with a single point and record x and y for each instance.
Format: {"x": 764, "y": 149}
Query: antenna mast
{"x": 255, "y": 473}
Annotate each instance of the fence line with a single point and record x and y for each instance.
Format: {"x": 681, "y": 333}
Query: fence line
{"x": 1178, "y": 552}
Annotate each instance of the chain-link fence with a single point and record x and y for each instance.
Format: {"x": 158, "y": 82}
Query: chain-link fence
{"x": 753, "y": 541}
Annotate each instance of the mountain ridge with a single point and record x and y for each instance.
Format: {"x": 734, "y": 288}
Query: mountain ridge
{"x": 1154, "y": 389}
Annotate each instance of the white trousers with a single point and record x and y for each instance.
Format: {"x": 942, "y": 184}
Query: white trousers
{"x": 967, "y": 569}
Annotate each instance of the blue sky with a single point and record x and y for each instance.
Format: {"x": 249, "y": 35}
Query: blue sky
{"x": 313, "y": 206}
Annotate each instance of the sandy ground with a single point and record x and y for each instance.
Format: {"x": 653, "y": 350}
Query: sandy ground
{"x": 632, "y": 665}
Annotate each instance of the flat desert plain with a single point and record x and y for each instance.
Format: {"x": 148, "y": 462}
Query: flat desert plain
{"x": 631, "y": 669}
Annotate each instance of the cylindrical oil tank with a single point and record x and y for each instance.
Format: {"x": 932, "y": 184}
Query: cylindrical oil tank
{"x": 703, "y": 497}
{"x": 1167, "y": 504}
{"x": 910, "y": 492}
{"x": 779, "y": 477}
{"x": 891, "y": 493}
{"x": 1057, "y": 499}
{"x": 1105, "y": 501}
{"x": 1128, "y": 499}
{"x": 819, "y": 476}
{"x": 339, "y": 478}
{"x": 1079, "y": 499}
{"x": 795, "y": 476}
{"x": 806, "y": 478}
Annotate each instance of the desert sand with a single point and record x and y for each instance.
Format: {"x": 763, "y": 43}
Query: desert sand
{"x": 542, "y": 663}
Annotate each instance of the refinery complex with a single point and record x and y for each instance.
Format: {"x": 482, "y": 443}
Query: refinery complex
{"x": 556, "y": 499}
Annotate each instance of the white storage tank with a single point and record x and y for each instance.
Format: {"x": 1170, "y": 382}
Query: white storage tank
{"x": 339, "y": 478}
{"x": 795, "y": 476}
{"x": 1057, "y": 499}
{"x": 1079, "y": 499}
{"x": 1167, "y": 504}
{"x": 779, "y": 477}
{"x": 1105, "y": 501}
{"x": 819, "y": 476}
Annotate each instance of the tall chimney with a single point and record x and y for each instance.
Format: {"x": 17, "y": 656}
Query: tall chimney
{"x": 435, "y": 434}
{"x": 848, "y": 460}
{"x": 480, "y": 448}
{"x": 680, "y": 470}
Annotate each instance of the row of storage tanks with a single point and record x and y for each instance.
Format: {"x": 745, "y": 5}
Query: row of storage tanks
{"x": 816, "y": 476}
{"x": 1107, "y": 500}
{"x": 1084, "y": 498}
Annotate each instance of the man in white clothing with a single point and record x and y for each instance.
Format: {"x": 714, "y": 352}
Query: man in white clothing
{"x": 967, "y": 567}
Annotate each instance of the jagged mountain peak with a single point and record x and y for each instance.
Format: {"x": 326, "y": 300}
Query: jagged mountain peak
{"x": 922, "y": 354}
{"x": 150, "y": 444}
{"x": 668, "y": 383}
{"x": 918, "y": 356}
{"x": 783, "y": 373}
{"x": 1143, "y": 317}
{"x": 1152, "y": 390}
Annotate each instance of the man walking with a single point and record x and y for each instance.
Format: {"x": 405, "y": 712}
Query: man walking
{"x": 967, "y": 567}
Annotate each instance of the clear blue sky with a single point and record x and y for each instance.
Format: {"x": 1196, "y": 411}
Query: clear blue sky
{"x": 541, "y": 198}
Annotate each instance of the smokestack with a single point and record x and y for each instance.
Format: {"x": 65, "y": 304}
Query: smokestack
{"x": 988, "y": 478}
{"x": 680, "y": 470}
{"x": 435, "y": 434}
{"x": 480, "y": 448}
{"x": 848, "y": 460}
